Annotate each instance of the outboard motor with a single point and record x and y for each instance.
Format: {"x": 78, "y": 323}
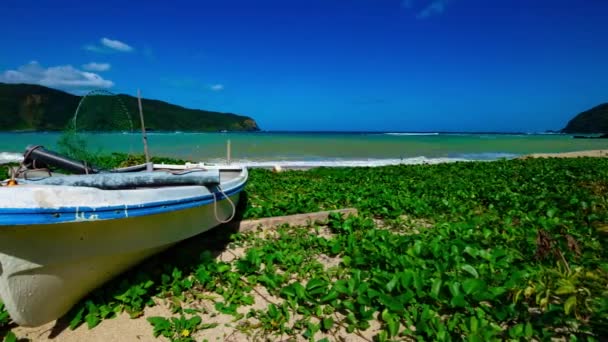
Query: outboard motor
{"x": 38, "y": 157}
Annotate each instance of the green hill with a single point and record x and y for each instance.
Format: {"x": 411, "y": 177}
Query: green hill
{"x": 594, "y": 120}
{"x": 27, "y": 107}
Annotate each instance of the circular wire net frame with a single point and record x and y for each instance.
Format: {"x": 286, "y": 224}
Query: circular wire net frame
{"x": 98, "y": 112}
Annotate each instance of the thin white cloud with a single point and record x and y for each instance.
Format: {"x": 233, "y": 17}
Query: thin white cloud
{"x": 434, "y": 8}
{"x": 94, "y": 66}
{"x": 217, "y": 87}
{"x": 116, "y": 45}
{"x": 64, "y": 77}
{"x": 107, "y": 45}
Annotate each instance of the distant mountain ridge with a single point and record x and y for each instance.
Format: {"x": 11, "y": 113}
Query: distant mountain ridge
{"x": 594, "y": 120}
{"x": 29, "y": 107}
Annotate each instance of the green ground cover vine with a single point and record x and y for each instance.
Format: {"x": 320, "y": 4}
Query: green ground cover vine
{"x": 510, "y": 250}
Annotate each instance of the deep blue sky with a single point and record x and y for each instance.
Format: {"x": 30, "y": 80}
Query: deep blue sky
{"x": 392, "y": 65}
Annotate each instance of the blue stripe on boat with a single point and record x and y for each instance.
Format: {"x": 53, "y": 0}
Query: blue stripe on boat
{"x": 29, "y": 216}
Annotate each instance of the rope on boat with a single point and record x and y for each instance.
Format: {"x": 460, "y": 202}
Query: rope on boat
{"x": 215, "y": 206}
{"x": 183, "y": 172}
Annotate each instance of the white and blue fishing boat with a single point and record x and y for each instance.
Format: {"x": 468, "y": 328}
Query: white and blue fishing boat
{"x": 63, "y": 236}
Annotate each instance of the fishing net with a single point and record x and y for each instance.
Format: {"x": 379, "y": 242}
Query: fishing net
{"x": 100, "y": 121}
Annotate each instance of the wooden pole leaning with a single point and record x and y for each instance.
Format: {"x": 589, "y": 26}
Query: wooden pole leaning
{"x": 149, "y": 166}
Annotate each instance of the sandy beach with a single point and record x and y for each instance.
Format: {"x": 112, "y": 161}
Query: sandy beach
{"x": 577, "y": 154}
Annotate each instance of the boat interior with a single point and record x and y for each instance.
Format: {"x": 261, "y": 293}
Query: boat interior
{"x": 40, "y": 163}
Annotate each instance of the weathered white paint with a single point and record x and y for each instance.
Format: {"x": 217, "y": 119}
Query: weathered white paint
{"x": 52, "y": 196}
{"x": 45, "y": 269}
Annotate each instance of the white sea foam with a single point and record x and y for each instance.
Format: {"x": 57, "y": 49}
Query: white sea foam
{"x": 10, "y": 157}
{"x": 295, "y": 164}
{"x": 488, "y": 156}
{"x": 411, "y": 133}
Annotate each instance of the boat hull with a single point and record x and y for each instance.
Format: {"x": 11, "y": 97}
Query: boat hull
{"x": 46, "y": 268}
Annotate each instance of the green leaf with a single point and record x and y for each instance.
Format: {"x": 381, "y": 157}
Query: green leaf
{"x": 391, "y": 284}
{"x": 393, "y": 327}
{"x": 569, "y": 304}
{"x": 105, "y": 311}
{"x": 10, "y": 337}
{"x": 459, "y": 301}
{"x": 435, "y": 288}
{"x": 473, "y": 285}
{"x": 528, "y": 331}
{"x": 566, "y": 288}
{"x": 471, "y": 251}
{"x": 471, "y": 270}
{"x": 160, "y": 325}
{"x": 288, "y": 291}
{"x": 208, "y": 326}
{"x": 473, "y": 325}
{"x": 194, "y": 321}
{"x": 192, "y": 311}
{"x": 92, "y": 320}
{"x": 328, "y": 323}
{"x": 390, "y": 303}
{"x": 349, "y": 305}
{"x": 222, "y": 268}
{"x": 272, "y": 311}
{"x": 454, "y": 287}
{"x": 346, "y": 260}
{"x": 311, "y": 330}
{"x": 315, "y": 283}
{"x": 333, "y": 294}
{"x": 340, "y": 286}
{"x": 418, "y": 281}
{"x": 77, "y": 319}
{"x": 517, "y": 331}
{"x": 316, "y": 287}
{"x": 300, "y": 290}
{"x": 406, "y": 278}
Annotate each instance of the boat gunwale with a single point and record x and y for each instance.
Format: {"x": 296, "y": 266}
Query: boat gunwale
{"x": 67, "y": 214}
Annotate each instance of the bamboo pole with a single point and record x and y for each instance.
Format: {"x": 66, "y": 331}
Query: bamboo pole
{"x": 143, "y": 133}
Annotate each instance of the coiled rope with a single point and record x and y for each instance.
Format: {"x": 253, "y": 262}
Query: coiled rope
{"x": 233, "y": 207}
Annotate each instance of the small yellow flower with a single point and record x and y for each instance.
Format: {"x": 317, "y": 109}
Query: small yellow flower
{"x": 185, "y": 332}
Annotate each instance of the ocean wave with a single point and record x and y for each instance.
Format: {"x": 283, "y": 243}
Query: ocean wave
{"x": 420, "y": 160}
{"x": 10, "y": 157}
{"x": 487, "y": 156}
{"x": 410, "y": 133}
{"x": 295, "y": 164}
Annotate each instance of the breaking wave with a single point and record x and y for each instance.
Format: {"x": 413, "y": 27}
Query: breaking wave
{"x": 413, "y": 134}
{"x": 10, "y": 157}
{"x": 305, "y": 164}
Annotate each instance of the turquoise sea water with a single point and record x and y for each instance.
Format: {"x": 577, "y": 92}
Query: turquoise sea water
{"x": 266, "y": 148}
